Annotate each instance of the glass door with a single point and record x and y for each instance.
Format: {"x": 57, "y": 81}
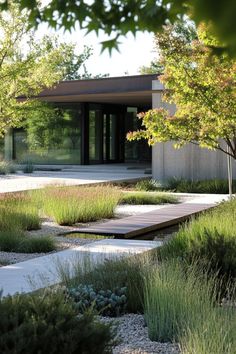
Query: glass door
{"x": 95, "y": 137}
{"x": 104, "y": 135}
{"x": 110, "y": 138}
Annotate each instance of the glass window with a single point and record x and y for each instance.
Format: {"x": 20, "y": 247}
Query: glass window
{"x": 52, "y": 139}
{"x": 131, "y": 124}
{"x": 135, "y": 150}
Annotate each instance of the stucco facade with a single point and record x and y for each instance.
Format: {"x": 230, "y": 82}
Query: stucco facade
{"x": 190, "y": 162}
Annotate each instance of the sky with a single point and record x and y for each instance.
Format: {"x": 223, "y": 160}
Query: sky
{"x": 134, "y": 52}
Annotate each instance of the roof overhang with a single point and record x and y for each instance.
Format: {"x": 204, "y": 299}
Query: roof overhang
{"x": 128, "y": 90}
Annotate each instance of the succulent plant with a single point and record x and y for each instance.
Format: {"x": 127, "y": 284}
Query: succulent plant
{"x": 106, "y": 302}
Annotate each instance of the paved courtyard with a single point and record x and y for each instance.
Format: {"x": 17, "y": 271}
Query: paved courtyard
{"x": 72, "y": 175}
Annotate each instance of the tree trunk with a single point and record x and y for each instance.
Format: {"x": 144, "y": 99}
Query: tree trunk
{"x": 230, "y": 173}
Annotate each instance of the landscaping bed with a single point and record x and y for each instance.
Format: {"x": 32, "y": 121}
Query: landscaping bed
{"x": 175, "y": 299}
{"x": 182, "y": 185}
{"x": 42, "y": 216}
{"x": 183, "y": 304}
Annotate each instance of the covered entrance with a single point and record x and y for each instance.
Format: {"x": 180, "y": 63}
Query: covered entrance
{"x": 88, "y": 126}
{"x": 106, "y": 134}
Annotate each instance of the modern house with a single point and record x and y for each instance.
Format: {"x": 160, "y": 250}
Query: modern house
{"x": 90, "y": 124}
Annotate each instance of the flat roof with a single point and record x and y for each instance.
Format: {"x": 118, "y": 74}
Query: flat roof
{"x": 128, "y": 90}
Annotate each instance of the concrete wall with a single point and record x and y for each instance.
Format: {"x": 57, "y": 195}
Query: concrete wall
{"x": 190, "y": 162}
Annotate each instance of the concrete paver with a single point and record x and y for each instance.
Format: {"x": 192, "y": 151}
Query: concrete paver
{"x": 42, "y": 271}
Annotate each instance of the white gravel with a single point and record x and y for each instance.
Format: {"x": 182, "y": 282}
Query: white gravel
{"x": 13, "y": 257}
{"x": 133, "y": 337}
{"x": 47, "y": 228}
{"x": 51, "y": 228}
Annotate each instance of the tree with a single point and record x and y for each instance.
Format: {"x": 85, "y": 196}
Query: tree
{"x": 155, "y": 67}
{"x": 203, "y": 88}
{"x": 28, "y": 66}
{"x": 72, "y": 67}
{"x": 117, "y": 18}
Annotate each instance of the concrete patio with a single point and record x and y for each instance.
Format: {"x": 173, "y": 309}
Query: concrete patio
{"x": 73, "y": 175}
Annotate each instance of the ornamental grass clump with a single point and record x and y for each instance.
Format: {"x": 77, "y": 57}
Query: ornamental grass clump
{"x": 209, "y": 238}
{"x": 17, "y": 241}
{"x": 218, "y": 186}
{"x": 149, "y": 185}
{"x": 173, "y": 296}
{"x": 70, "y": 205}
{"x": 7, "y": 167}
{"x": 17, "y": 212}
{"x": 180, "y": 305}
{"x": 148, "y": 198}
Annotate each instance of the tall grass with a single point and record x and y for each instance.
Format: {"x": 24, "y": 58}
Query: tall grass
{"x": 218, "y": 186}
{"x": 211, "y": 237}
{"x": 216, "y": 335}
{"x": 7, "y": 167}
{"x": 148, "y": 198}
{"x": 18, "y": 213}
{"x": 17, "y": 241}
{"x": 182, "y": 185}
{"x": 180, "y": 305}
{"x": 149, "y": 185}
{"x": 69, "y": 205}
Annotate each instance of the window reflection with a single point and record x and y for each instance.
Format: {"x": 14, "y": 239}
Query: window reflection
{"x": 55, "y": 139}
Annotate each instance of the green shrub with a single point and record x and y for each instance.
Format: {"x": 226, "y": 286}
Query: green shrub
{"x": 69, "y": 205}
{"x": 7, "y": 167}
{"x": 180, "y": 305}
{"x": 182, "y": 185}
{"x": 49, "y": 324}
{"x": 106, "y": 302}
{"x": 210, "y": 238}
{"x": 16, "y": 241}
{"x": 148, "y": 198}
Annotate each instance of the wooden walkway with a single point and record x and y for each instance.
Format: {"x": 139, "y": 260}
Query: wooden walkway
{"x": 147, "y": 222}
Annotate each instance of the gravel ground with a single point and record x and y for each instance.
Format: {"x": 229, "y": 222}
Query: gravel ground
{"x": 48, "y": 228}
{"x": 133, "y": 335}
{"x": 12, "y": 257}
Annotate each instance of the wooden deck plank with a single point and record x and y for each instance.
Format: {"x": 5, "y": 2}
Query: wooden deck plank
{"x": 147, "y": 222}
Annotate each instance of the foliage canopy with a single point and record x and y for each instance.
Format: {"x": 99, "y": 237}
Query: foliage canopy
{"x": 28, "y": 66}
{"x": 117, "y": 18}
{"x": 201, "y": 85}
